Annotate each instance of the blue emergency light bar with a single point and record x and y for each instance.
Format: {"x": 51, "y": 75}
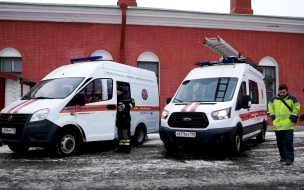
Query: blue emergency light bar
{"x": 92, "y": 58}
{"x": 207, "y": 63}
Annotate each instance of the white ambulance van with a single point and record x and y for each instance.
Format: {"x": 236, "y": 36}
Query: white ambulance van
{"x": 76, "y": 103}
{"x": 218, "y": 102}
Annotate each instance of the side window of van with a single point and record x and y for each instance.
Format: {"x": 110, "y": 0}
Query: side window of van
{"x": 98, "y": 90}
{"x": 126, "y": 87}
{"x": 254, "y": 92}
{"x": 242, "y": 92}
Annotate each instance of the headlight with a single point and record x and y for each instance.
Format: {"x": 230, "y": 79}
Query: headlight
{"x": 40, "y": 115}
{"x": 165, "y": 114}
{"x": 221, "y": 114}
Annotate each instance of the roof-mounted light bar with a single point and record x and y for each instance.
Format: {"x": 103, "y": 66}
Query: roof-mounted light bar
{"x": 92, "y": 58}
{"x": 208, "y": 63}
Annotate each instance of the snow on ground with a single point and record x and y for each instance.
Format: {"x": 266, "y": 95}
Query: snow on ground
{"x": 154, "y": 139}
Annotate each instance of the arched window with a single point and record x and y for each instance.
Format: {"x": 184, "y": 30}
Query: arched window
{"x": 149, "y": 61}
{"x": 105, "y": 55}
{"x": 270, "y": 72}
{"x": 11, "y": 61}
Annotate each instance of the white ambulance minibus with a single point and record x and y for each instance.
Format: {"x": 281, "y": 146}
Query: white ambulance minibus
{"x": 76, "y": 103}
{"x": 219, "y": 102}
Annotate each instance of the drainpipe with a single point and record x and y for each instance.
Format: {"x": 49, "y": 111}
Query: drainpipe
{"x": 123, "y": 4}
{"x": 21, "y": 90}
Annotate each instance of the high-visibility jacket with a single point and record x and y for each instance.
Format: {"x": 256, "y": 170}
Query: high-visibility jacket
{"x": 277, "y": 108}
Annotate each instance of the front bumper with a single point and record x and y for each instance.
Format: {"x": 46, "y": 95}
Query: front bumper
{"x": 39, "y": 133}
{"x": 203, "y": 137}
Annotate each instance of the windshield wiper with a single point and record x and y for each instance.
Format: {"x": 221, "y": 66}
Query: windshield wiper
{"x": 178, "y": 100}
{"x": 42, "y": 97}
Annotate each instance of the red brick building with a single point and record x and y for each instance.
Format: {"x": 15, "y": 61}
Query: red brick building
{"x": 37, "y": 38}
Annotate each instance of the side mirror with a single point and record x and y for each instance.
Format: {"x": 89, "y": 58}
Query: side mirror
{"x": 77, "y": 100}
{"x": 246, "y": 102}
{"x": 168, "y": 100}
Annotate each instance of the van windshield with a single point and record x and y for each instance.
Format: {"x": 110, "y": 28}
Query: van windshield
{"x": 206, "y": 90}
{"x": 58, "y": 88}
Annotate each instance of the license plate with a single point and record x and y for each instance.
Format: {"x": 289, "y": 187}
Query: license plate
{"x": 185, "y": 134}
{"x": 9, "y": 131}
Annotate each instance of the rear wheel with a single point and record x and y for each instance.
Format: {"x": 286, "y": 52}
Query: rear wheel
{"x": 18, "y": 148}
{"x": 261, "y": 137}
{"x": 67, "y": 143}
{"x": 139, "y": 135}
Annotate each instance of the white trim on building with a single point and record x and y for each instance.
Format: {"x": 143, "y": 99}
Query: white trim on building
{"x": 144, "y": 16}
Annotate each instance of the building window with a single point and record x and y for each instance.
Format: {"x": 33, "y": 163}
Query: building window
{"x": 270, "y": 81}
{"x": 151, "y": 66}
{"x": 11, "y": 65}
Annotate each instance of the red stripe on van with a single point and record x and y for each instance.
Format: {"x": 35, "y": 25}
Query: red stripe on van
{"x": 17, "y": 106}
{"x": 252, "y": 115}
{"x": 23, "y": 105}
{"x": 184, "y": 109}
{"x": 193, "y": 109}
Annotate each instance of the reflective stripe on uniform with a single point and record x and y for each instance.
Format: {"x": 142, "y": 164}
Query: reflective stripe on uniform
{"x": 121, "y": 142}
{"x": 282, "y": 115}
{"x": 279, "y": 128}
{"x": 127, "y": 142}
{"x": 131, "y": 106}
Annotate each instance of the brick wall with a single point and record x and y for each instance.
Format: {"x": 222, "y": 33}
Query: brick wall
{"x": 47, "y": 45}
{"x": 2, "y": 92}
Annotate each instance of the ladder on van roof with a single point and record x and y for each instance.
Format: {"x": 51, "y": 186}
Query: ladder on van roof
{"x": 221, "y": 47}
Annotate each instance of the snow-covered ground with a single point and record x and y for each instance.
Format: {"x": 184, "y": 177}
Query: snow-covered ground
{"x": 149, "y": 167}
{"x": 154, "y": 139}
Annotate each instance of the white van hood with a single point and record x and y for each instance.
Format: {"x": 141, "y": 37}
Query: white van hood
{"x": 206, "y": 107}
{"x": 30, "y": 106}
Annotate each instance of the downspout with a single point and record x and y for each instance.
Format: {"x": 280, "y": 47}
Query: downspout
{"x": 21, "y": 90}
{"x": 123, "y": 4}
{"x": 123, "y": 8}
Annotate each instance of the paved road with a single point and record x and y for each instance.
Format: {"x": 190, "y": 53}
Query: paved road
{"x": 150, "y": 167}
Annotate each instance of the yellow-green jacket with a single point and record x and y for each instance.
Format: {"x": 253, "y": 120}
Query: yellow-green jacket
{"x": 277, "y": 108}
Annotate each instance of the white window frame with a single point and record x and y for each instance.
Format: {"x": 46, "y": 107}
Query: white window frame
{"x": 268, "y": 61}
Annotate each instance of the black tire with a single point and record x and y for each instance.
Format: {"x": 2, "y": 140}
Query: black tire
{"x": 139, "y": 135}
{"x": 236, "y": 143}
{"x": 171, "y": 148}
{"x": 261, "y": 137}
{"x": 67, "y": 143}
{"x": 18, "y": 148}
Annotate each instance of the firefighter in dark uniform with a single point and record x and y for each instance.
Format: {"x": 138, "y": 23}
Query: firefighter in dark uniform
{"x": 123, "y": 120}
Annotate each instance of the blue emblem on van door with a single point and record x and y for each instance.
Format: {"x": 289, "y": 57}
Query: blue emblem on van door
{"x": 186, "y": 119}
{"x": 144, "y": 94}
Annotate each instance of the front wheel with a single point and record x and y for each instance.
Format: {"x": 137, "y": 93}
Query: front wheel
{"x": 67, "y": 143}
{"x": 171, "y": 148}
{"x": 18, "y": 148}
{"x": 236, "y": 144}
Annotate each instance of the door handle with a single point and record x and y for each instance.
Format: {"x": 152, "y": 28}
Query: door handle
{"x": 111, "y": 107}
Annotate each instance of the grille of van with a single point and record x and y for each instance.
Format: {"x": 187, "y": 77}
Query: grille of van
{"x": 13, "y": 121}
{"x": 188, "y": 120}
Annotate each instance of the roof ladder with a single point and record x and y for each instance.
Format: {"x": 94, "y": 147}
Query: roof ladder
{"x": 221, "y": 47}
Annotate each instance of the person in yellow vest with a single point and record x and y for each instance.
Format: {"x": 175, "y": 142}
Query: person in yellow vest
{"x": 284, "y": 109}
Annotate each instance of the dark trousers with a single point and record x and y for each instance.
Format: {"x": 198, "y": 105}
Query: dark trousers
{"x": 285, "y": 144}
{"x": 124, "y": 135}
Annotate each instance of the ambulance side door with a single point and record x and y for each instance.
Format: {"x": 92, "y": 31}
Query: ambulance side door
{"x": 97, "y": 117}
